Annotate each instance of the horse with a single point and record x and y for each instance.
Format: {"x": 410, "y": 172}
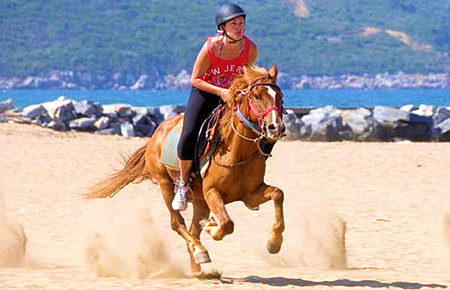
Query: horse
{"x": 252, "y": 113}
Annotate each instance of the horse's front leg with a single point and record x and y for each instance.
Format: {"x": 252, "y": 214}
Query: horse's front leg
{"x": 261, "y": 195}
{"x": 201, "y": 212}
{"x": 225, "y": 225}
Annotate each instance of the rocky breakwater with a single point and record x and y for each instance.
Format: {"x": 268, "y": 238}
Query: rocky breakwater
{"x": 423, "y": 123}
{"x": 65, "y": 114}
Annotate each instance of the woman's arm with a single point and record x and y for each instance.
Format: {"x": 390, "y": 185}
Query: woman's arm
{"x": 253, "y": 54}
{"x": 201, "y": 66}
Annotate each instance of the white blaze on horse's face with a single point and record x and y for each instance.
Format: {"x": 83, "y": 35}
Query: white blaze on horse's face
{"x": 273, "y": 94}
{"x": 274, "y": 122}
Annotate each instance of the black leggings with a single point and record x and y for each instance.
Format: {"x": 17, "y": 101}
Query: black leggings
{"x": 199, "y": 106}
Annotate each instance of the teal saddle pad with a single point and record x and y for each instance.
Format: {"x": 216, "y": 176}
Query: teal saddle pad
{"x": 169, "y": 152}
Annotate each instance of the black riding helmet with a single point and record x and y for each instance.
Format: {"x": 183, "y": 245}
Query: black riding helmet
{"x": 228, "y": 12}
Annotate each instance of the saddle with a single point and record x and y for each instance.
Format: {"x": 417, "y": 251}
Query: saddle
{"x": 207, "y": 143}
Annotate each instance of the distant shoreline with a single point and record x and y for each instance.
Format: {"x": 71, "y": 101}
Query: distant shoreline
{"x": 86, "y": 81}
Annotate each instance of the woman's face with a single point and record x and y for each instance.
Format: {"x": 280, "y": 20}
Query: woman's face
{"x": 235, "y": 27}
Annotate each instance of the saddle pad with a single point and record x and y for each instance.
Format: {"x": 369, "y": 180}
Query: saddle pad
{"x": 169, "y": 152}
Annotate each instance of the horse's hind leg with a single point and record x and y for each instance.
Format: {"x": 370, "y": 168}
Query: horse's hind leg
{"x": 225, "y": 225}
{"x": 201, "y": 212}
{"x": 178, "y": 225}
{"x": 263, "y": 194}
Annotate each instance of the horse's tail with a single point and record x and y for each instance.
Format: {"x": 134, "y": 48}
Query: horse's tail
{"x": 133, "y": 171}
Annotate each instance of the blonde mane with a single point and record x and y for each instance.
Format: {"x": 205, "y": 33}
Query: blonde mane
{"x": 251, "y": 75}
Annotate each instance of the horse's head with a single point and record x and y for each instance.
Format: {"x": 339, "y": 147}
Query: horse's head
{"x": 259, "y": 100}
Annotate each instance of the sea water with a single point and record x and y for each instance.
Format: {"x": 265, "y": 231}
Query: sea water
{"x": 342, "y": 98}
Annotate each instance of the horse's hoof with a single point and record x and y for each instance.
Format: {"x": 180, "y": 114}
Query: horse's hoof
{"x": 273, "y": 248}
{"x": 207, "y": 222}
{"x": 254, "y": 208}
{"x": 196, "y": 274}
{"x": 203, "y": 223}
{"x": 202, "y": 258}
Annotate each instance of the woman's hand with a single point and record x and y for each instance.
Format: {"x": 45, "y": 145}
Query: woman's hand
{"x": 223, "y": 94}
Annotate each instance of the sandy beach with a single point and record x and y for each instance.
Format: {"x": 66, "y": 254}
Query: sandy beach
{"x": 373, "y": 215}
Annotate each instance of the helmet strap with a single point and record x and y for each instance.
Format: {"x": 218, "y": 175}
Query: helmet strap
{"x": 224, "y": 33}
{"x": 230, "y": 39}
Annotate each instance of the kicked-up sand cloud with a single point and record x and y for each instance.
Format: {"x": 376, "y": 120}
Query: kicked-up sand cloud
{"x": 13, "y": 240}
{"x": 446, "y": 229}
{"x": 315, "y": 240}
{"x": 128, "y": 246}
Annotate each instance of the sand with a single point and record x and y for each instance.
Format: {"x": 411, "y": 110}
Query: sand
{"x": 372, "y": 215}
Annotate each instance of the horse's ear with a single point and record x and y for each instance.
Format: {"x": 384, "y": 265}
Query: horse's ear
{"x": 273, "y": 72}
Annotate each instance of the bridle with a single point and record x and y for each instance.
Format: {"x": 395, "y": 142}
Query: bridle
{"x": 248, "y": 93}
{"x": 258, "y": 129}
{"x": 254, "y": 109}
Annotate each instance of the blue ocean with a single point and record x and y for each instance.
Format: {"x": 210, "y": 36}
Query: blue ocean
{"x": 343, "y": 98}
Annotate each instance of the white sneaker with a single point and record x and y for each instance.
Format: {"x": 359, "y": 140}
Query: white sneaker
{"x": 180, "y": 200}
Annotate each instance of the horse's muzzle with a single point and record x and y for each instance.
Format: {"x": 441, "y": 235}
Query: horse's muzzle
{"x": 275, "y": 131}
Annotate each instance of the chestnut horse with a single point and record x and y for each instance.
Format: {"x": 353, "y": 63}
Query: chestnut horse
{"x": 253, "y": 112}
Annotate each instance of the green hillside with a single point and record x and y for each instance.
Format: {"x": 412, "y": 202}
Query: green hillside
{"x": 158, "y": 37}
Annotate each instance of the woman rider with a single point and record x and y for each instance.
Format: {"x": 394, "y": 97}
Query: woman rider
{"x": 220, "y": 59}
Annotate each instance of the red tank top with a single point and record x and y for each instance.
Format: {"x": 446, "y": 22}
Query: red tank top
{"x": 223, "y": 71}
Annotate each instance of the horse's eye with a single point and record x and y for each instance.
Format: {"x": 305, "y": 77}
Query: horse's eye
{"x": 257, "y": 97}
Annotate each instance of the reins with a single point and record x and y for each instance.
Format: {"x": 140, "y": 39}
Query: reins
{"x": 256, "y": 140}
{"x": 235, "y": 164}
{"x": 255, "y": 128}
